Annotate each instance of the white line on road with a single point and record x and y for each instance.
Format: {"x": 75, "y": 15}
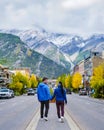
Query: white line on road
{"x": 34, "y": 122}
{"x": 72, "y": 124}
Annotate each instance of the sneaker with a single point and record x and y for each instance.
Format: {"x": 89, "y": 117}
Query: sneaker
{"x": 45, "y": 118}
{"x": 59, "y": 119}
{"x": 62, "y": 119}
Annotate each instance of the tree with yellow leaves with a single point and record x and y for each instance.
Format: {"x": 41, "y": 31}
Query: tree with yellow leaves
{"x": 33, "y": 81}
{"x": 68, "y": 81}
{"x": 62, "y": 79}
{"x": 97, "y": 81}
{"x": 76, "y": 80}
{"x": 19, "y": 82}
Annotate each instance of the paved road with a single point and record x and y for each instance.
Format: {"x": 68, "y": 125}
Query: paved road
{"x": 16, "y": 113}
{"x": 52, "y": 123}
{"x": 87, "y": 112}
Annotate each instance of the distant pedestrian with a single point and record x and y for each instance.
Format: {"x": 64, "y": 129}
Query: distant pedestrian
{"x": 43, "y": 93}
{"x": 60, "y": 95}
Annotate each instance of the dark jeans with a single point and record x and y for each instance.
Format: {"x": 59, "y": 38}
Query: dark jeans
{"x": 60, "y": 108}
{"x": 44, "y": 104}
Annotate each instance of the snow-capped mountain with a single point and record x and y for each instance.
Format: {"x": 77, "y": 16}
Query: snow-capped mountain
{"x": 94, "y": 41}
{"x": 15, "y": 53}
{"x": 59, "y": 39}
{"x": 73, "y": 45}
{"x": 42, "y": 42}
{"x": 39, "y": 34}
{"x": 64, "y": 49}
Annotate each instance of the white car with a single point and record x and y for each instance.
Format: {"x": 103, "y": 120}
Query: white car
{"x": 31, "y": 92}
{"x": 6, "y": 93}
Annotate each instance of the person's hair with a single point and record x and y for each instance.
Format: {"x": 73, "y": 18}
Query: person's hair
{"x": 61, "y": 85}
{"x": 45, "y": 78}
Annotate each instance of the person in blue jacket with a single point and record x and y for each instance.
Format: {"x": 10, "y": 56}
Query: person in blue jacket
{"x": 43, "y": 93}
{"x": 61, "y": 99}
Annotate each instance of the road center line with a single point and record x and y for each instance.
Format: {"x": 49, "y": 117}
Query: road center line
{"x": 72, "y": 124}
{"x": 34, "y": 122}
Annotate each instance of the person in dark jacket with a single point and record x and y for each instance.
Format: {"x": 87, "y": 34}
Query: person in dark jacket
{"x": 44, "y": 96}
{"x": 60, "y": 95}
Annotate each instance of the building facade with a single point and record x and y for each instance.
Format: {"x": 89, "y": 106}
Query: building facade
{"x": 85, "y": 67}
{"x": 4, "y": 76}
{"x": 23, "y": 71}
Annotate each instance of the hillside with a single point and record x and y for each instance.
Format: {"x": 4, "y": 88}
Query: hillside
{"x": 15, "y": 53}
{"x": 43, "y": 42}
{"x": 64, "y": 49}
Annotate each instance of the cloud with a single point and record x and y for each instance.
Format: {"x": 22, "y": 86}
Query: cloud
{"x": 77, "y": 4}
{"x": 65, "y": 16}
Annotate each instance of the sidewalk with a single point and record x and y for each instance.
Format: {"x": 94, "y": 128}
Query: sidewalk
{"x": 52, "y": 123}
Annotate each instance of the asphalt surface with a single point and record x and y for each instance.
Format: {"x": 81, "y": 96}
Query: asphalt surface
{"x": 52, "y": 123}
{"x": 88, "y": 113}
{"x": 16, "y": 113}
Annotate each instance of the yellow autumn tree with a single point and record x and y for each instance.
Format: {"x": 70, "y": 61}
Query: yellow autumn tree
{"x": 19, "y": 82}
{"x": 62, "y": 79}
{"x": 33, "y": 81}
{"x": 76, "y": 80}
{"x": 97, "y": 81}
{"x": 68, "y": 81}
{"x": 18, "y": 87}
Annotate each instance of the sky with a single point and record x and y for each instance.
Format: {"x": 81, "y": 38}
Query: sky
{"x": 62, "y": 16}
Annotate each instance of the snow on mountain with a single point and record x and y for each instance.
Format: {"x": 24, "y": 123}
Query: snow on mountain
{"x": 15, "y": 53}
{"x": 61, "y": 48}
{"x": 74, "y": 56}
{"x": 93, "y": 41}
{"x": 59, "y": 39}
{"x": 82, "y": 44}
{"x": 38, "y": 34}
{"x": 68, "y": 58}
{"x": 41, "y": 42}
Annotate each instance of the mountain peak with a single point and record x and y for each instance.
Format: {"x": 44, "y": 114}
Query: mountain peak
{"x": 55, "y": 46}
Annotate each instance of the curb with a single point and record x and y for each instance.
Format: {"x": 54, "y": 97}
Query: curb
{"x": 34, "y": 122}
{"x": 71, "y": 122}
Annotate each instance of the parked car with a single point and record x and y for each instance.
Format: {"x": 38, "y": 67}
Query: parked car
{"x": 12, "y": 93}
{"x": 6, "y": 93}
{"x": 68, "y": 91}
{"x": 35, "y": 89}
{"x": 4, "y": 87}
{"x": 31, "y": 92}
{"x": 82, "y": 92}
